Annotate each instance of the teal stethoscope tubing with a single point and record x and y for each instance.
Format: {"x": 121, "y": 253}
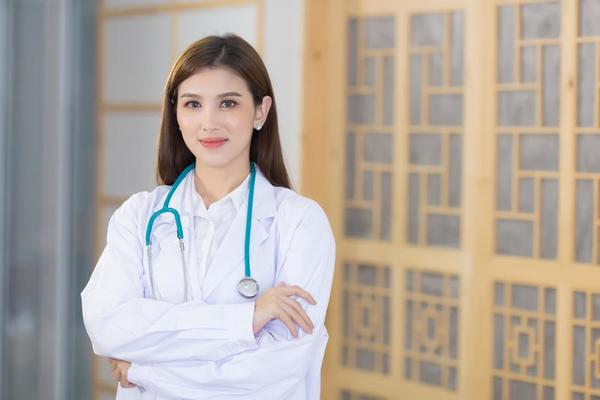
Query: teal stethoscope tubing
{"x": 166, "y": 209}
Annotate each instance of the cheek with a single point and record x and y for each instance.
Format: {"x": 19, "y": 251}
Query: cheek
{"x": 183, "y": 120}
{"x": 241, "y": 124}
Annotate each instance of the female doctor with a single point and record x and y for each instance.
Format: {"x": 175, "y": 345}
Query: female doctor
{"x": 215, "y": 284}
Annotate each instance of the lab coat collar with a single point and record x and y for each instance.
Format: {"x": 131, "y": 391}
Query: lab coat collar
{"x": 263, "y": 204}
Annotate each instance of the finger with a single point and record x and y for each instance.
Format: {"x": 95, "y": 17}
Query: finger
{"x": 296, "y": 317}
{"x": 281, "y": 284}
{"x": 114, "y": 364}
{"x": 293, "y": 303}
{"x": 297, "y": 290}
{"x": 289, "y": 323}
{"x": 124, "y": 382}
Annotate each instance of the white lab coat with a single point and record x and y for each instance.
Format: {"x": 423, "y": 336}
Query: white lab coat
{"x": 205, "y": 348}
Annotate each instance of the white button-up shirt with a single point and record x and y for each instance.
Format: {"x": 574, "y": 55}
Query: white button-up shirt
{"x": 212, "y": 223}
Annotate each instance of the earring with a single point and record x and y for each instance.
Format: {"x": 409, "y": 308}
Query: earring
{"x": 258, "y": 127}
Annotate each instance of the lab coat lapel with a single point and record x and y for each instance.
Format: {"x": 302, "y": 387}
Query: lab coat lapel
{"x": 229, "y": 258}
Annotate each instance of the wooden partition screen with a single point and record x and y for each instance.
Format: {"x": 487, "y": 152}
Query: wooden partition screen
{"x": 455, "y": 145}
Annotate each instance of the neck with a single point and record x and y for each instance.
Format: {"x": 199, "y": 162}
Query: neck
{"x": 214, "y": 183}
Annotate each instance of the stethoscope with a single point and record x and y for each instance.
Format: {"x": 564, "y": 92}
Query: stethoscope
{"x": 248, "y": 286}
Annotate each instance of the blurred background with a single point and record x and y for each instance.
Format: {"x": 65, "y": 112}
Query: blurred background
{"x": 454, "y": 144}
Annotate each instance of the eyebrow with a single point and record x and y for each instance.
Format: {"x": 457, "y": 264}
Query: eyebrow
{"x": 227, "y": 94}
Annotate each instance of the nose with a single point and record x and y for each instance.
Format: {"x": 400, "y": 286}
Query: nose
{"x": 211, "y": 121}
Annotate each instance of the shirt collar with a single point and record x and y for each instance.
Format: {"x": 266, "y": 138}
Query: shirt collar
{"x": 236, "y": 197}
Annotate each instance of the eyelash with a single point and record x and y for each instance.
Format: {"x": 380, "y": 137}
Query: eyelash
{"x": 188, "y": 104}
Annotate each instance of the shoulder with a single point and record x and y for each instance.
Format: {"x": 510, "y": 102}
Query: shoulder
{"x": 295, "y": 210}
{"x": 139, "y": 204}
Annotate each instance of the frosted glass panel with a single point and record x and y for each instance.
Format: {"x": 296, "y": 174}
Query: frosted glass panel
{"x": 506, "y": 43}
{"x": 359, "y": 223}
{"x": 129, "y": 153}
{"x": 425, "y": 149}
{"x": 588, "y": 151}
{"x": 538, "y": 152}
{"x": 528, "y": 64}
{"x": 378, "y": 147}
{"x": 445, "y": 109}
{"x": 526, "y": 188}
{"x": 456, "y": 74}
{"x": 586, "y": 79}
{"x": 361, "y": 109}
{"x": 379, "y": 32}
{"x": 196, "y": 24}
{"x": 443, "y": 230}
{"x": 436, "y": 66}
{"x": 137, "y": 58}
{"x": 514, "y": 237}
{"x": 540, "y": 20}
{"x": 427, "y": 30}
{"x": 516, "y": 108}
{"x": 549, "y": 218}
{"x": 504, "y": 172}
{"x": 589, "y": 14}
{"x": 584, "y": 225}
{"x": 551, "y": 89}
{"x": 352, "y": 51}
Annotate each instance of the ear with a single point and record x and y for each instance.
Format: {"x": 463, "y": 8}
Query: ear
{"x": 262, "y": 111}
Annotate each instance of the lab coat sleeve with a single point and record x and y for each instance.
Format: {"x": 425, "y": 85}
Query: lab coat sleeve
{"x": 280, "y": 363}
{"x": 122, "y": 324}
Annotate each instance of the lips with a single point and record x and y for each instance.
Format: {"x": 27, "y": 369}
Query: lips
{"x": 213, "y": 142}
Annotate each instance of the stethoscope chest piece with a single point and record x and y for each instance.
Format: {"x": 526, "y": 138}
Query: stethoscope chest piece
{"x": 248, "y": 287}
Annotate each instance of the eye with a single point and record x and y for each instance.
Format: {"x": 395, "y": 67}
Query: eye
{"x": 228, "y": 103}
{"x": 192, "y": 104}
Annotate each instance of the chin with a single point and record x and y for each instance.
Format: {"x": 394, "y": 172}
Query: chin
{"x": 213, "y": 162}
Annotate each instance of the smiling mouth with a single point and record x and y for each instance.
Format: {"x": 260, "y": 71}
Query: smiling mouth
{"x": 213, "y": 143}
{"x": 215, "y": 140}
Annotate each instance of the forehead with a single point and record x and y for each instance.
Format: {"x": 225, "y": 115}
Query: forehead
{"x": 214, "y": 81}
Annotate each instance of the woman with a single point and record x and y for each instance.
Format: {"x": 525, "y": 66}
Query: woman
{"x": 236, "y": 308}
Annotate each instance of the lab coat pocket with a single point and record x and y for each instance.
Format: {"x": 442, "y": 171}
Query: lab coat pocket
{"x": 168, "y": 272}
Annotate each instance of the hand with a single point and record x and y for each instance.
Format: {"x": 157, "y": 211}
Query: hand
{"x": 276, "y": 303}
{"x": 119, "y": 372}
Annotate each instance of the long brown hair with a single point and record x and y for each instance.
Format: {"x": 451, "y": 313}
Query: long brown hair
{"x": 235, "y": 53}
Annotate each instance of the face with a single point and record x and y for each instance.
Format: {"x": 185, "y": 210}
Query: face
{"x": 216, "y": 115}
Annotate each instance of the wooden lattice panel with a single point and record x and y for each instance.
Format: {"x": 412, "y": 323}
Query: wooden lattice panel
{"x": 432, "y": 329}
{"x": 366, "y": 317}
{"x": 369, "y": 118}
{"x": 524, "y": 342}
{"x": 587, "y": 217}
{"x": 527, "y": 121}
{"x": 436, "y": 118}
